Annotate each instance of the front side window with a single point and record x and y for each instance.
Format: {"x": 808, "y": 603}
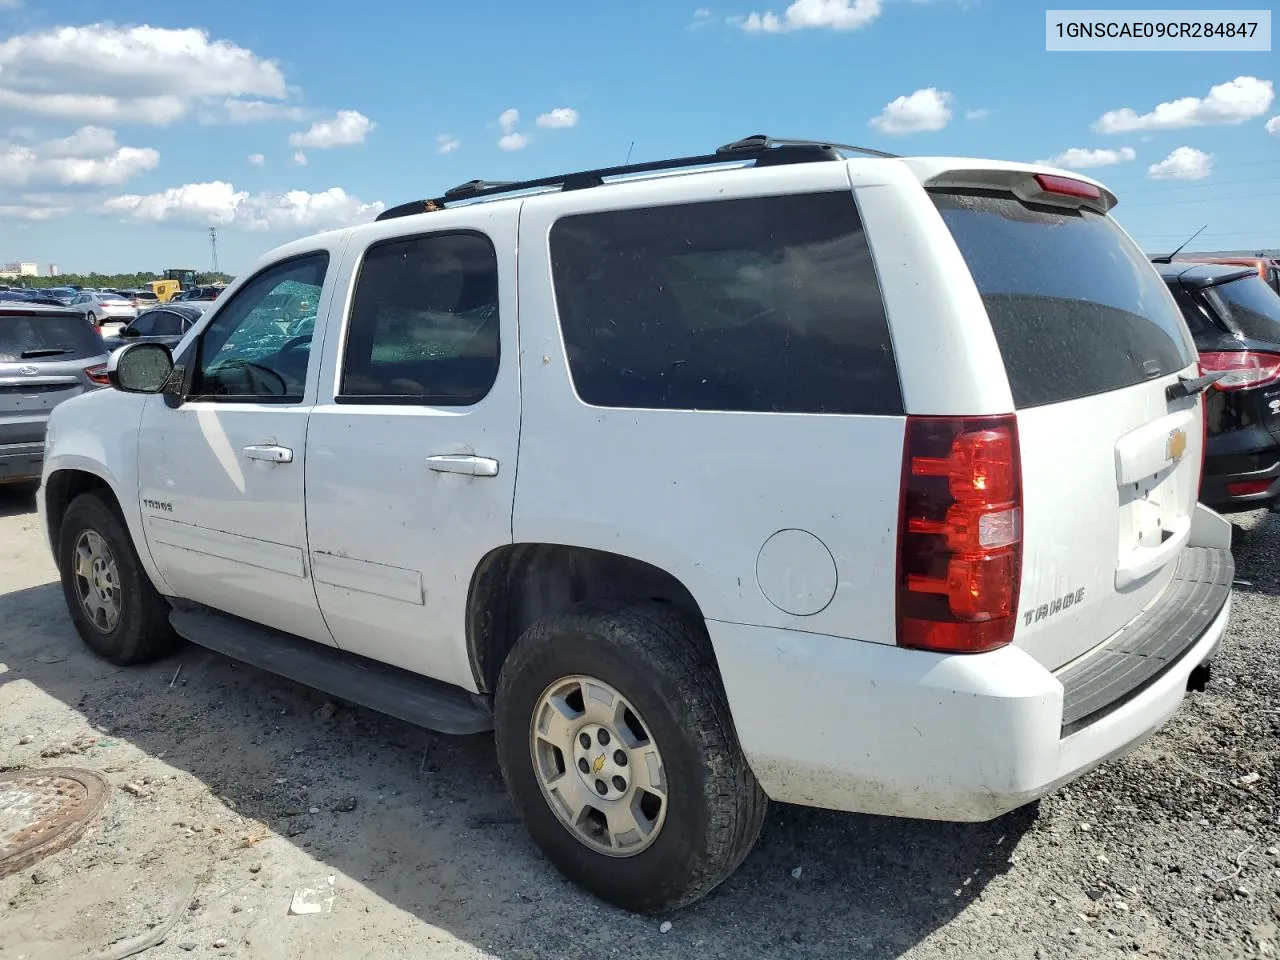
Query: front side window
{"x": 424, "y": 322}
{"x": 249, "y": 350}
{"x": 762, "y": 304}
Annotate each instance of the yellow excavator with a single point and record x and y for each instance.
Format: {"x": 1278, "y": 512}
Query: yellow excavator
{"x": 175, "y": 281}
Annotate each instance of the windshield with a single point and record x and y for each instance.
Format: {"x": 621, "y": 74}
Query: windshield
{"x": 47, "y": 337}
{"x": 1249, "y": 306}
{"x": 1076, "y": 308}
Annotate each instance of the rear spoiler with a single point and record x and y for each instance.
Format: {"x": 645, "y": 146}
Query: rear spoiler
{"x": 1030, "y": 182}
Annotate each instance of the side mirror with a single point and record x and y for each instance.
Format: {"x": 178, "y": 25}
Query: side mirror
{"x": 140, "y": 368}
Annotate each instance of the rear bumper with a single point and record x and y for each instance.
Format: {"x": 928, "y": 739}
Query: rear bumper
{"x": 1246, "y": 455}
{"x": 21, "y": 461}
{"x": 873, "y": 728}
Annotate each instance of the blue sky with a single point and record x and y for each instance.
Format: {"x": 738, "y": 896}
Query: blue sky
{"x": 126, "y": 129}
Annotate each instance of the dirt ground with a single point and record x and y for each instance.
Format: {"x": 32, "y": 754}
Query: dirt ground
{"x": 255, "y": 788}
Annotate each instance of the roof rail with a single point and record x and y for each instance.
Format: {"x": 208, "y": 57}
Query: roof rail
{"x": 758, "y": 150}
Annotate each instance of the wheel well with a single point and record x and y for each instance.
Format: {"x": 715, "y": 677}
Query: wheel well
{"x": 60, "y": 489}
{"x": 515, "y": 586}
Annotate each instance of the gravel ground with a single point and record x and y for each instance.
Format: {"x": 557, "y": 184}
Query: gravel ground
{"x": 257, "y": 788}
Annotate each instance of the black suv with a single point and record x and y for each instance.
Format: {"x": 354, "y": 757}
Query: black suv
{"x": 1234, "y": 317}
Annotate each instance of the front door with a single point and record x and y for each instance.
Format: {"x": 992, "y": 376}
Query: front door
{"x": 221, "y": 474}
{"x": 411, "y": 451}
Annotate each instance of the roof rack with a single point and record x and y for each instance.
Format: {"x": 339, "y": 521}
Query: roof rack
{"x": 758, "y": 150}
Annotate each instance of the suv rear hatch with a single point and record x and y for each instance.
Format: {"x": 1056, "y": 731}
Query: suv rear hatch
{"x": 1091, "y": 339}
{"x": 44, "y": 354}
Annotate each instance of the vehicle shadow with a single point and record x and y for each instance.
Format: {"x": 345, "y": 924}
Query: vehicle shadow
{"x": 1255, "y": 544}
{"x": 434, "y": 834}
{"x": 17, "y": 499}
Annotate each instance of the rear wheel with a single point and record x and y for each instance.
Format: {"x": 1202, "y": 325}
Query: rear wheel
{"x": 92, "y": 318}
{"x": 115, "y": 608}
{"x": 616, "y": 743}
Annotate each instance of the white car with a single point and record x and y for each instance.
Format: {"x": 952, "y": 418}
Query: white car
{"x": 859, "y": 482}
{"x": 99, "y": 308}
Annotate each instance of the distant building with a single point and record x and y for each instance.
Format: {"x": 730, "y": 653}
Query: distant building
{"x": 20, "y": 269}
{"x": 53, "y": 270}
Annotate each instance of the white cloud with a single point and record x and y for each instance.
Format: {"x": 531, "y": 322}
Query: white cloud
{"x": 701, "y": 18}
{"x": 1184, "y": 163}
{"x": 510, "y": 140}
{"x": 508, "y": 119}
{"x": 10, "y": 4}
{"x": 141, "y": 74}
{"x": 923, "y": 111}
{"x": 980, "y": 114}
{"x": 300, "y": 159}
{"x": 446, "y": 143}
{"x": 1080, "y": 158}
{"x": 814, "y": 14}
{"x": 33, "y": 214}
{"x": 702, "y": 13}
{"x": 513, "y": 141}
{"x": 85, "y": 142}
{"x": 89, "y": 157}
{"x": 257, "y": 159}
{"x": 233, "y": 110}
{"x": 1273, "y": 125}
{"x": 558, "y": 119}
{"x": 157, "y": 111}
{"x": 221, "y": 204}
{"x": 1243, "y": 98}
{"x": 345, "y": 129}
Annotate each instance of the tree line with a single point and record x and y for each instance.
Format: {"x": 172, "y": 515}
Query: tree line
{"x": 114, "y": 281}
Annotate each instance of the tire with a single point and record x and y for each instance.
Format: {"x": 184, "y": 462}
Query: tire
{"x": 92, "y": 319}
{"x": 662, "y": 666}
{"x": 140, "y": 631}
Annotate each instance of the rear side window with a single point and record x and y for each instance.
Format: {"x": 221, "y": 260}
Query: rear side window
{"x": 1076, "y": 308}
{"x": 766, "y": 304}
{"x": 424, "y": 322}
{"x": 1250, "y": 306}
{"x": 47, "y": 338}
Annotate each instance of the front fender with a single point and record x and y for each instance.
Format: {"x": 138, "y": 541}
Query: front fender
{"x": 97, "y": 434}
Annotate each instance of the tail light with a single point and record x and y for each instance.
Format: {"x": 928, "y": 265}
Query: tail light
{"x": 960, "y": 534}
{"x": 1248, "y": 488}
{"x": 1204, "y": 428}
{"x": 1244, "y": 369}
{"x": 1067, "y": 186}
{"x": 97, "y": 373}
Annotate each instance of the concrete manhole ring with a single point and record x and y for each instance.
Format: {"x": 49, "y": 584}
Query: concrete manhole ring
{"x": 44, "y": 810}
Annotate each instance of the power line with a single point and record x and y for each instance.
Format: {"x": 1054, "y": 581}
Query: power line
{"x": 1216, "y": 166}
{"x": 1174, "y": 203}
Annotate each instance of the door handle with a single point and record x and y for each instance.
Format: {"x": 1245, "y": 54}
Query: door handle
{"x": 465, "y": 464}
{"x": 270, "y": 453}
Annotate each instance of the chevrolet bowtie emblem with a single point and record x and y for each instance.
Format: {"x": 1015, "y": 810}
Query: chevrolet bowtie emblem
{"x": 595, "y": 767}
{"x": 1177, "y": 445}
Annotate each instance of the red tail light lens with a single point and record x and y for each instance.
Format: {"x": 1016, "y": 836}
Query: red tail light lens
{"x": 960, "y": 534}
{"x": 1067, "y": 187}
{"x": 1248, "y": 488}
{"x": 97, "y": 373}
{"x": 1245, "y": 369}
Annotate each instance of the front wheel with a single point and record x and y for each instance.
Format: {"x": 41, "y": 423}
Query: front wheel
{"x": 615, "y": 741}
{"x": 116, "y": 610}
{"x": 93, "y": 319}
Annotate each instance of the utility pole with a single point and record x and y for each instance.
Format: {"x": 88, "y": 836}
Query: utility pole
{"x": 213, "y": 245}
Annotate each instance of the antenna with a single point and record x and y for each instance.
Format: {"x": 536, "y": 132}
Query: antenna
{"x": 213, "y": 245}
{"x": 629, "y": 149}
{"x": 1169, "y": 258}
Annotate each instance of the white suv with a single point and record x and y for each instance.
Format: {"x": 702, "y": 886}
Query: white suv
{"x": 863, "y": 483}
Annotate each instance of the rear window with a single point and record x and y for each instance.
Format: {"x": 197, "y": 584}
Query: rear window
{"x": 1076, "y": 308}
{"x": 766, "y": 304}
{"x": 37, "y": 337}
{"x": 110, "y": 296}
{"x": 1250, "y": 306}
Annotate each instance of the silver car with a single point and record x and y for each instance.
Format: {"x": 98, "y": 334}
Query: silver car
{"x": 47, "y": 355}
{"x": 99, "y": 308}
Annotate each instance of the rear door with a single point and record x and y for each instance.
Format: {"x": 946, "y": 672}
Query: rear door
{"x": 1090, "y": 339}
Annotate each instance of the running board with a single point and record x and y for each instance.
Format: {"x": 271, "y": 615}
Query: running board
{"x": 398, "y": 693}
